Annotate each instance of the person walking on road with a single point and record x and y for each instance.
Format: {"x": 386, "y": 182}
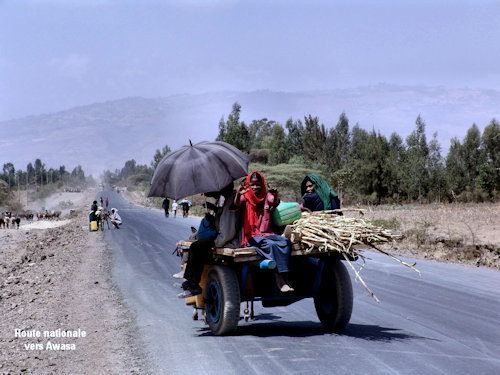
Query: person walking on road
{"x": 185, "y": 208}
{"x": 165, "y": 205}
{"x": 174, "y": 208}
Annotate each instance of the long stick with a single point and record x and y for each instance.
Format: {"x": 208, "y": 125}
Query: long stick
{"x": 360, "y": 279}
{"x": 398, "y": 260}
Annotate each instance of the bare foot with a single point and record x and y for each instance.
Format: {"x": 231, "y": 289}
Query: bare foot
{"x": 286, "y": 289}
{"x": 282, "y": 284}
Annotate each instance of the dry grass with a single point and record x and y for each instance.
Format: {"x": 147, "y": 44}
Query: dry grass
{"x": 465, "y": 233}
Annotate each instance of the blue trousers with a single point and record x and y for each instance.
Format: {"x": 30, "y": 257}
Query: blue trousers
{"x": 275, "y": 248}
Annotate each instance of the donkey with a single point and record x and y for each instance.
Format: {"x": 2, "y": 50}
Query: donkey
{"x": 103, "y": 217}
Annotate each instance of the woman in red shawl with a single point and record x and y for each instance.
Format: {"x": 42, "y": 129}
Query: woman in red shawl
{"x": 256, "y": 205}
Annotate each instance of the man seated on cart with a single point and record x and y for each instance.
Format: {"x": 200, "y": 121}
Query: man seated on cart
{"x": 227, "y": 227}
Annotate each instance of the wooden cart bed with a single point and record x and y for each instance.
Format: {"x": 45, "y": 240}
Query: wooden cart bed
{"x": 247, "y": 254}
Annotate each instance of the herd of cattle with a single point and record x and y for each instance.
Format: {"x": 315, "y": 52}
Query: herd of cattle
{"x": 8, "y": 220}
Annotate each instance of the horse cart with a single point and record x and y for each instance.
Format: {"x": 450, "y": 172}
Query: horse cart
{"x": 241, "y": 275}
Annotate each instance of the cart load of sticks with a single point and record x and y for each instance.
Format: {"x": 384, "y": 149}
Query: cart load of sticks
{"x": 323, "y": 231}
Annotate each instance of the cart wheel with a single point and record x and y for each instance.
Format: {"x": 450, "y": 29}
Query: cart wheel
{"x": 222, "y": 300}
{"x": 195, "y": 314}
{"x": 334, "y": 300}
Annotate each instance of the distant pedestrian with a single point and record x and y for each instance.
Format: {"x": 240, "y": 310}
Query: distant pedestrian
{"x": 174, "y": 207}
{"x": 185, "y": 208}
{"x": 107, "y": 203}
{"x": 165, "y": 205}
{"x": 102, "y": 202}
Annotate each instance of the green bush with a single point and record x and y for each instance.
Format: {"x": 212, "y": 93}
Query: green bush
{"x": 298, "y": 159}
{"x": 260, "y": 155}
{"x": 393, "y": 223}
{"x": 479, "y": 195}
{"x": 156, "y": 202}
{"x": 138, "y": 181}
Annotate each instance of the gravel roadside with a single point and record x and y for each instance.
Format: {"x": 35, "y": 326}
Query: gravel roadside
{"x": 61, "y": 313}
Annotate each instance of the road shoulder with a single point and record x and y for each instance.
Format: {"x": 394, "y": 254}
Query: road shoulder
{"x": 57, "y": 282}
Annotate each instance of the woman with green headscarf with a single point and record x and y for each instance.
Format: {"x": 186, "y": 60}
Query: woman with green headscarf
{"x": 317, "y": 194}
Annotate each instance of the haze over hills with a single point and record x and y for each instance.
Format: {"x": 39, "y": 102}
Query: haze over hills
{"x": 105, "y": 135}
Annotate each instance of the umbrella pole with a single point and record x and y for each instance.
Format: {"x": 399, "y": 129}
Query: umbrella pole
{"x": 206, "y": 208}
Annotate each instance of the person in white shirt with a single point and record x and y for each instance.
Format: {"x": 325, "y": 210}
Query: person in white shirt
{"x": 115, "y": 219}
{"x": 174, "y": 208}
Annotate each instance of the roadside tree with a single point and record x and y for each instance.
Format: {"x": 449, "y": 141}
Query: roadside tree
{"x": 278, "y": 152}
{"x": 416, "y": 161}
{"x": 294, "y": 137}
{"x": 159, "y": 154}
{"x": 313, "y": 139}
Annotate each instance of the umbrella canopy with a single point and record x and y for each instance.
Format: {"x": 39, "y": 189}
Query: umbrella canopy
{"x": 199, "y": 168}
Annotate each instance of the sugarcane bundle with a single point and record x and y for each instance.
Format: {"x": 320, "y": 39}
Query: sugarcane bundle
{"x": 326, "y": 232}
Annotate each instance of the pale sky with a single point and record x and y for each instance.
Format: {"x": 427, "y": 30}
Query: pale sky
{"x": 57, "y": 54}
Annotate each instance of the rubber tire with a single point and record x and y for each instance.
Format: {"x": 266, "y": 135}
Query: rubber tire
{"x": 222, "y": 300}
{"x": 335, "y": 297}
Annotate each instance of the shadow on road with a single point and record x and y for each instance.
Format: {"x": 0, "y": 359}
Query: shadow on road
{"x": 377, "y": 333}
{"x": 309, "y": 329}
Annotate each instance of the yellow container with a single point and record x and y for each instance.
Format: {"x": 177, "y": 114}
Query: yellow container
{"x": 93, "y": 226}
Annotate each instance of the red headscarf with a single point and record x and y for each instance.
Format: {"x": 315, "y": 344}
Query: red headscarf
{"x": 251, "y": 219}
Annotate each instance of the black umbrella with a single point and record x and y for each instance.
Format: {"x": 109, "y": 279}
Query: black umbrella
{"x": 200, "y": 168}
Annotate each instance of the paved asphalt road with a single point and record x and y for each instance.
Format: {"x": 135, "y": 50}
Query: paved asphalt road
{"x": 445, "y": 322}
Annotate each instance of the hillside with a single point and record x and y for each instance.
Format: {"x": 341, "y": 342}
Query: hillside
{"x": 104, "y": 135}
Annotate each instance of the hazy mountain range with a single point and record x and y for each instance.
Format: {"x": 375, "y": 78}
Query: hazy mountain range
{"x": 105, "y": 135}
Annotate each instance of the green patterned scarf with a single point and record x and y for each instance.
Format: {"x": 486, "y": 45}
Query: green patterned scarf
{"x": 321, "y": 187}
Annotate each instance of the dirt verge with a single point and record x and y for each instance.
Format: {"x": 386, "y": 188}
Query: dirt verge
{"x": 460, "y": 233}
{"x": 61, "y": 313}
